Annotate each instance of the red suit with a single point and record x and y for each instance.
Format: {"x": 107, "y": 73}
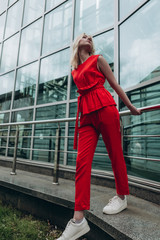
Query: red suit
{"x": 99, "y": 115}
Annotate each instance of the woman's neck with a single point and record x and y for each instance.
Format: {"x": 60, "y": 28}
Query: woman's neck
{"x": 83, "y": 55}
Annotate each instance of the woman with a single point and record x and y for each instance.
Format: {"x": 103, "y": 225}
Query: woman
{"x": 99, "y": 115}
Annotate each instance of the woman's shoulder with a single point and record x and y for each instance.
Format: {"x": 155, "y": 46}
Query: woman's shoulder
{"x": 98, "y": 57}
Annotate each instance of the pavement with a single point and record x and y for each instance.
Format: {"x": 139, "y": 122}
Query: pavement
{"x": 140, "y": 221}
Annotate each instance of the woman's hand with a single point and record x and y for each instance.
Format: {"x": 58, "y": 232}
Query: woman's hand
{"x": 134, "y": 110}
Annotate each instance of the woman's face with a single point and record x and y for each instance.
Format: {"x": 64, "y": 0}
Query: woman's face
{"x": 86, "y": 42}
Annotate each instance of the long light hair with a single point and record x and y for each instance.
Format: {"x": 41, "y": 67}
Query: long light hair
{"x": 75, "y": 60}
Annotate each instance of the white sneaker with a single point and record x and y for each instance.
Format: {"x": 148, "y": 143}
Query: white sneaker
{"x": 74, "y": 230}
{"x": 115, "y": 205}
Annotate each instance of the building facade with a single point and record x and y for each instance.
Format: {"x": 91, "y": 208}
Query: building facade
{"x": 36, "y": 82}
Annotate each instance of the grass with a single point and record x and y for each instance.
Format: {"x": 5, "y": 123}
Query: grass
{"x": 15, "y": 225}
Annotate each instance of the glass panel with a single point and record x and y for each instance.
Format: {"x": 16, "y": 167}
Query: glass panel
{"x": 22, "y": 116}
{"x": 11, "y": 1}
{"x": 24, "y": 141}
{"x": 44, "y": 143}
{"x": 104, "y": 44}
{"x": 52, "y": 3}
{"x": 25, "y": 132}
{"x": 73, "y": 93}
{"x": 3, "y": 5}
{"x": 2, "y": 21}
{"x": 126, "y": 6}
{"x": 7, "y": 84}
{"x": 142, "y": 97}
{"x": 26, "y": 86}
{"x": 72, "y": 114}
{"x": 71, "y": 157}
{"x": 51, "y": 112}
{"x": 57, "y": 28}
{"x": 146, "y": 124}
{"x": 14, "y": 19}
{"x": 139, "y": 46}
{"x": 33, "y": 9}
{"x": 30, "y": 42}
{"x": 4, "y": 118}
{"x": 54, "y": 78}
{"x": 9, "y": 54}
{"x": 92, "y": 16}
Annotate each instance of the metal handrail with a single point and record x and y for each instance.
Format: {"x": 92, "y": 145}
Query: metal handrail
{"x": 60, "y": 120}
{"x": 56, "y": 158}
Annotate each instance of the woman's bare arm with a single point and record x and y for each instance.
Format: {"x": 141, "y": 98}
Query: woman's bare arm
{"x": 107, "y": 72}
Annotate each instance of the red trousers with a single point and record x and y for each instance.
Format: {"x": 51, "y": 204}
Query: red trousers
{"x": 104, "y": 121}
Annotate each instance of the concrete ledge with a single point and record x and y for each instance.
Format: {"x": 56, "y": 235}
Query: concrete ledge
{"x": 138, "y": 187}
{"x": 36, "y": 194}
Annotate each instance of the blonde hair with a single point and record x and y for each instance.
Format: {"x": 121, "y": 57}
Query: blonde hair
{"x": 75, "y": 60}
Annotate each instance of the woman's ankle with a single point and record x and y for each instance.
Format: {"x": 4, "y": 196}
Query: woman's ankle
{"x": 78, "y": 215}
{"x": 121, "y": 196}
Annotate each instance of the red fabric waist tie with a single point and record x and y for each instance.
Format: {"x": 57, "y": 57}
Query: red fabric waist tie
{"x": 82, "y": 93}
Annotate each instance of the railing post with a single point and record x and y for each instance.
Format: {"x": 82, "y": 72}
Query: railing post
{"x": 50, "y": 147}
{"x": 56, "y": 155}
{"x": 121, "y": 129}
{"x": 13, "y": 172}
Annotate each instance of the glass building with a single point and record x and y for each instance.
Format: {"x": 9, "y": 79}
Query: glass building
{"x": 36, "y": 82}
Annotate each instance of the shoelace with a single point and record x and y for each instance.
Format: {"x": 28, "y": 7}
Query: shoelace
{"x": 112, "y": 200}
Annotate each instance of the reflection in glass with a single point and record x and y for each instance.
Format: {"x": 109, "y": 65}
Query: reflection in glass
{"x": 92, "y": 16}
{"x": 54, "y": 78}
{"x": 9, "y": 54}
{"x": 145, "y": 96}
{"x": 30, "y": 42}
{"x": 146, "y": 124}
{"x": 44, "y": 143}
{"x": 14, "y": 19}
{"x": 24, "y": 141}
{"x": 127, "y": 7}
{"x": 25, "y": 131}
{"x": 73, "y": 93}
{"x": 139, "y": 46}
{"x": 71, "y": 157}
{"x": 104, "y": 44}
{"x": 51, "y": 112}
{"x": 52, "y": 3}
{"x": 4, "y": 118}
{"x": 33, "y": 9}
{"x": 2, "y": 21}
{"x": 6, "y": 88}
{"x": 25, "y": 86}
{"x": 57, "y": 28}
{"x": 3, "y": 4}
{"x": 22, "y": 116}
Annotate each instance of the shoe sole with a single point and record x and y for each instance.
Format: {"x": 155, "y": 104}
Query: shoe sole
{"x": 81, "y": 233}
{"x": 115, "y": 212}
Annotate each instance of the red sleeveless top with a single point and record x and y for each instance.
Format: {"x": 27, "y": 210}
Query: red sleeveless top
{"x": 93, "y": 96}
